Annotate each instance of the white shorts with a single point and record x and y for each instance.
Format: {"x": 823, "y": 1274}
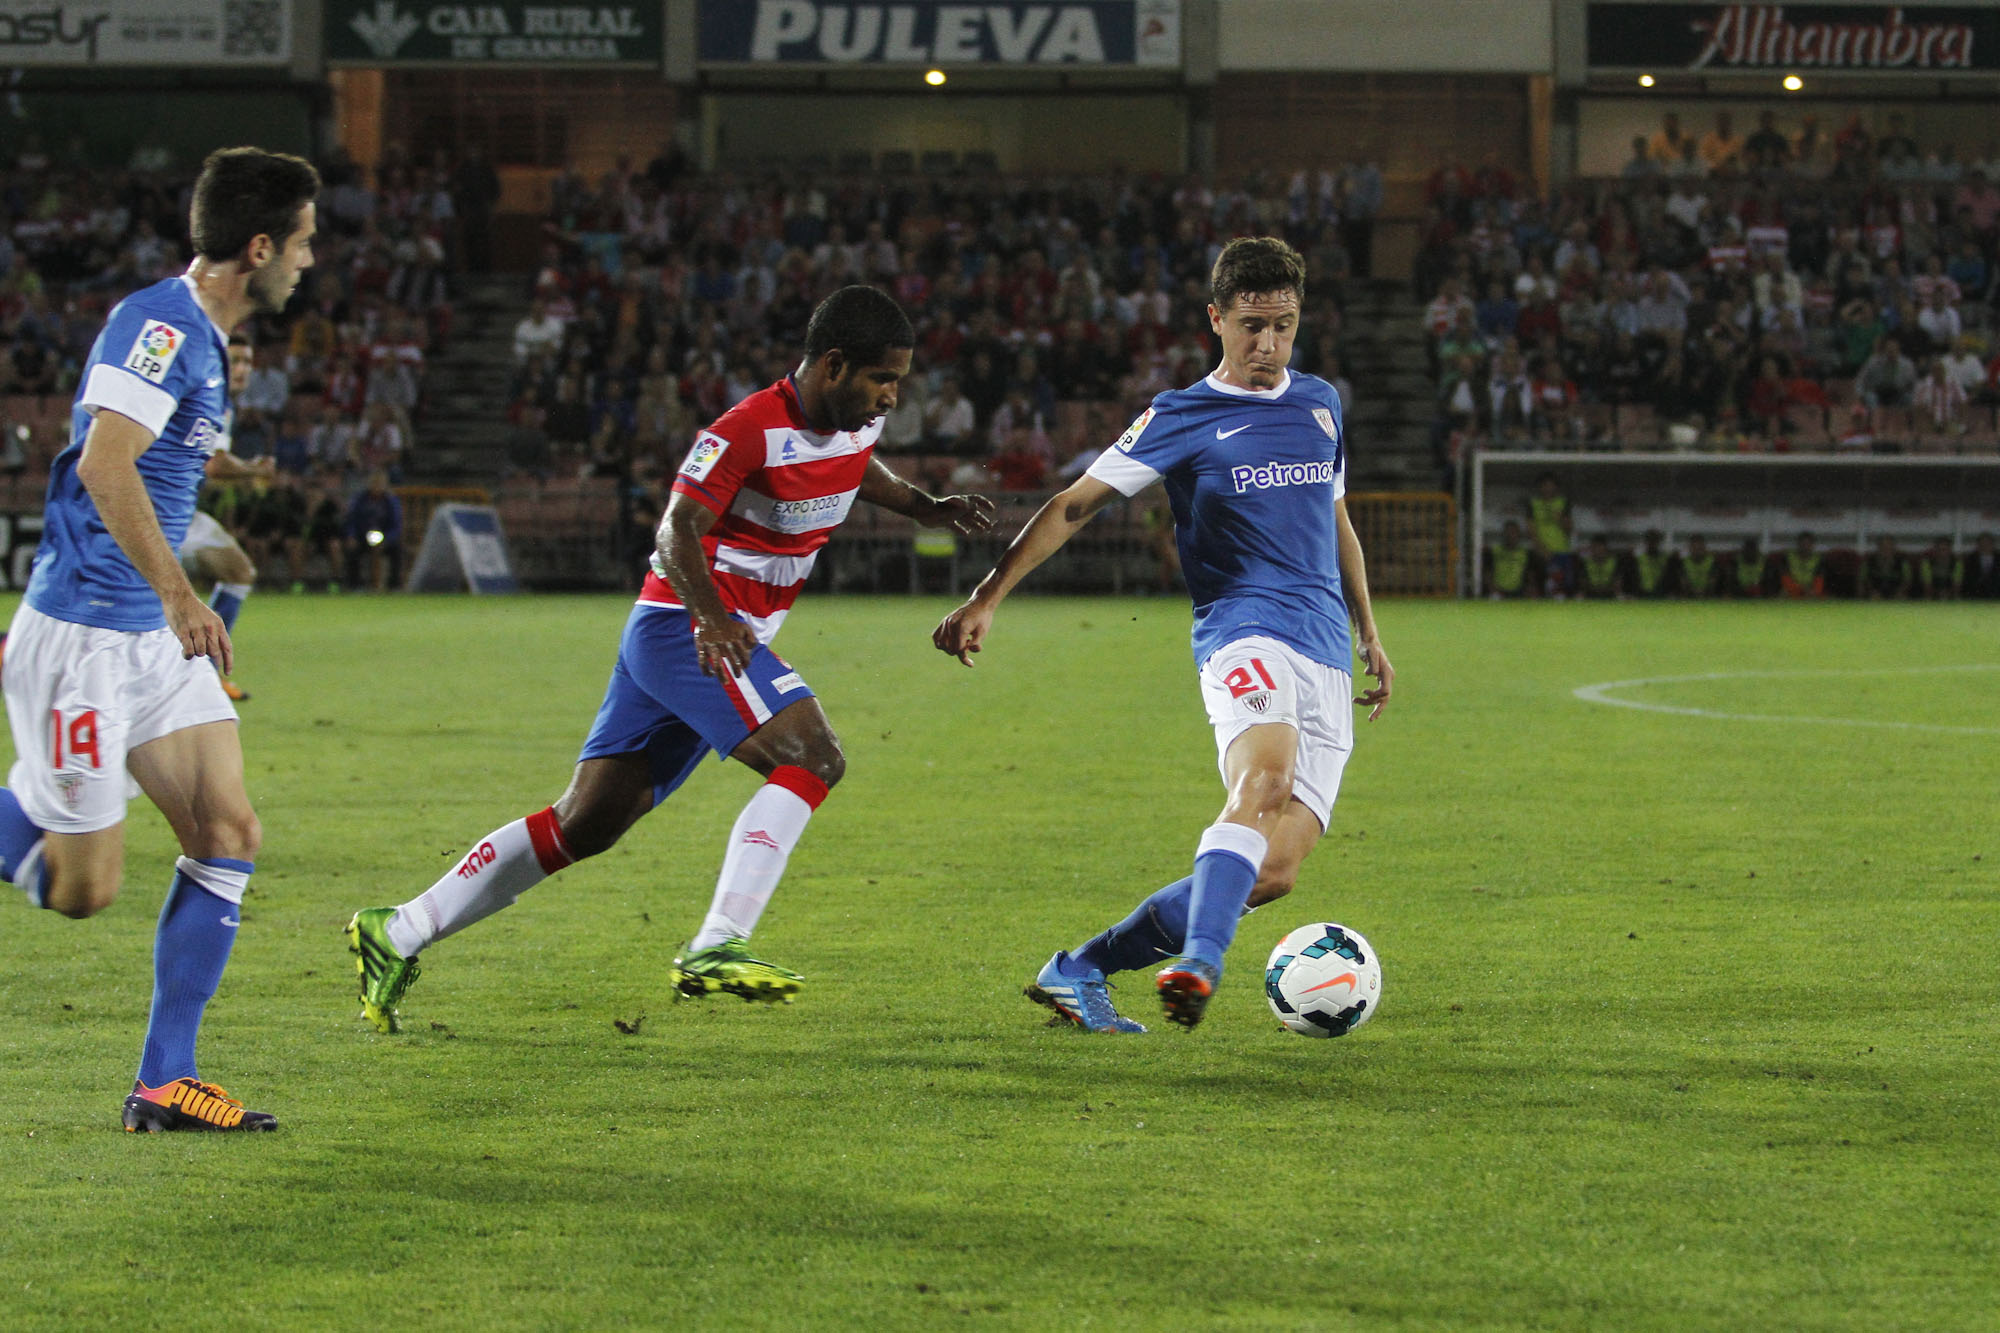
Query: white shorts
{"x": 204, "y": 534}
{"x": 1252, "y": 681}
{"x": 81, "y": 699}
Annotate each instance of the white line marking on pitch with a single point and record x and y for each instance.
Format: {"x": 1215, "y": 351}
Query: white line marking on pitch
{"x": 1601, "y": 694}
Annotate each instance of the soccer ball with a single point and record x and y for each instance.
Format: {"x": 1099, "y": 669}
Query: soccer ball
{"x": 1323, "y": 980}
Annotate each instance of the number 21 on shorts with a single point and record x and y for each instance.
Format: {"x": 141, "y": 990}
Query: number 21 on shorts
{"x": 1240, "y": 682}
{"x": 81, "y": 734}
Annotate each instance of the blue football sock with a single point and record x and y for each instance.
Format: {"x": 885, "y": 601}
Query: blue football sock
{"x": 226, "y": 601}
{"x": 1152, "y": 933}
{"x": 19, "y": 837}
{"x": 1225, "y": 870}
{"x": 197, "y": 928}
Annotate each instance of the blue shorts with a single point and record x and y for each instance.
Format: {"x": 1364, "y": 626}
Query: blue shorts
{"x": 660, "y": 702}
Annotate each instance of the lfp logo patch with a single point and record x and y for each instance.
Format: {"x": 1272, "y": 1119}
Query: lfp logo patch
{"x": 702, "y": 458}
{"x": 154, "y": 350}
{"x": 1134, "y": 431}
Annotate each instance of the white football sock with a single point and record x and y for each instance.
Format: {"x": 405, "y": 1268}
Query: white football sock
{"x": 32, "y": 875}
{"x": 503, "y": 866}
{"x": 759, "y": 846}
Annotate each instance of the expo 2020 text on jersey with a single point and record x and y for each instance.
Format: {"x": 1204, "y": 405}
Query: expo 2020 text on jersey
{"x": 778, "y": 489}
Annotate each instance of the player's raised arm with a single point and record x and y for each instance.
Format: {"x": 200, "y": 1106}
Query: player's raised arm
{"x": 108, "y": 467}
{"x": 965, "y": 514}
{"x": 1367, "y": 642}
{"x": 723, "y": 642}
{"x": 961, "y": 632}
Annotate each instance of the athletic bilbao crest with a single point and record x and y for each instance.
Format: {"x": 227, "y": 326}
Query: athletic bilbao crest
{"x": 1259, "y": 702}
{"x": 1324, "y": 416}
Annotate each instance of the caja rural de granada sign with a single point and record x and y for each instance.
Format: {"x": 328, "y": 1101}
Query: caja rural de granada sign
{"x": 511, "y": 32}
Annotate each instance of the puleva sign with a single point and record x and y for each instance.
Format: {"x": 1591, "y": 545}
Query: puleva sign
{"x": 1106, "y": 32}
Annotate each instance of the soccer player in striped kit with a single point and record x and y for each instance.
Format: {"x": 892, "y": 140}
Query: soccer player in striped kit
{"x": 761, "y": 491}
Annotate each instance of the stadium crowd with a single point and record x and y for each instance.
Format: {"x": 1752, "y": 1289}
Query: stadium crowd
{"x": 1785, "y": 289}
{"x": 337, "y": 390}
{"x": 1780, "y": 290}
{"x": 1047, "y": 313}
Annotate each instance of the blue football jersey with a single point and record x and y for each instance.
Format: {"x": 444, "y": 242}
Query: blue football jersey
{"x": 162, "y": 362}
{"x": 1252, "y": 476}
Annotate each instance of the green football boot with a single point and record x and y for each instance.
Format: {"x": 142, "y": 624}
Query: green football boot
{"x": 385, "y": 974}
{"x": 728, "y": 967}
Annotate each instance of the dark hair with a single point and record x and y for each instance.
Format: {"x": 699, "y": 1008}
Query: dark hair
{"x": 244, "y": 193}
{"x": 862, "y": 322}
{"x": 1251, "y": 265}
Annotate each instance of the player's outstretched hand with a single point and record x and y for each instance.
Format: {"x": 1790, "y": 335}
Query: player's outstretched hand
{"x": 965, "y": 514}
{"x": 724, "y": 646}
{"x": 1376, "y": 663}
{"x": 200, "y": 631}
{"x": 960, "y": 632}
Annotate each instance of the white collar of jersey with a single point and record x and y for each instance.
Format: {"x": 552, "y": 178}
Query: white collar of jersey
{"x": 187, "y": 280}
{"x": 1235, "y": 392}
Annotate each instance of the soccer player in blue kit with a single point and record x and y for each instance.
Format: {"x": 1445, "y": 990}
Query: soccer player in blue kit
{"x": 1254, "y": 459}
{"x": 107, "y": 673}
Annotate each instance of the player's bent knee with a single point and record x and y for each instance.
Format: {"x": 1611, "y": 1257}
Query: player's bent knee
{"x": 590, "y": 838}
{"x": 79, "y": 898}
{"x": 829, "y": 766}
{"x": 1261, "y": 791}
{"x": 589, "y": 832}
{"x": 1270, "y": 888}
{"x": 238, "y": 836}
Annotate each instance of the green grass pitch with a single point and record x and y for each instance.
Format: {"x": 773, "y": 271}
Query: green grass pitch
{"x": 1688, "y": 1020}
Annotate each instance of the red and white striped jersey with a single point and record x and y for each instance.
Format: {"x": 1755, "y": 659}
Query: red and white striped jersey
{"x": 778, "y": 490}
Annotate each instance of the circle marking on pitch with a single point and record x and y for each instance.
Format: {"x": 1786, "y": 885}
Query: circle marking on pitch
{"x": 1601, "y": 693}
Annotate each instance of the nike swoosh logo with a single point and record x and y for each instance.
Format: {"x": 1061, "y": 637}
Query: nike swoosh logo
{"x": 212, "y": 383}
{"x": 1347, "y": 979}
{"x": 231, "y": 921}
{"x": 1222, "y": 434}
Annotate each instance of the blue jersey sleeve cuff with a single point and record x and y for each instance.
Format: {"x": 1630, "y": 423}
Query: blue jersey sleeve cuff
{"x": 128, "y": 395}
{"x": 1122, "y": 472}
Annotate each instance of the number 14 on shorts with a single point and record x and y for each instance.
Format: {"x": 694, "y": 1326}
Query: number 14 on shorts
{"x": 80, "y": 734}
